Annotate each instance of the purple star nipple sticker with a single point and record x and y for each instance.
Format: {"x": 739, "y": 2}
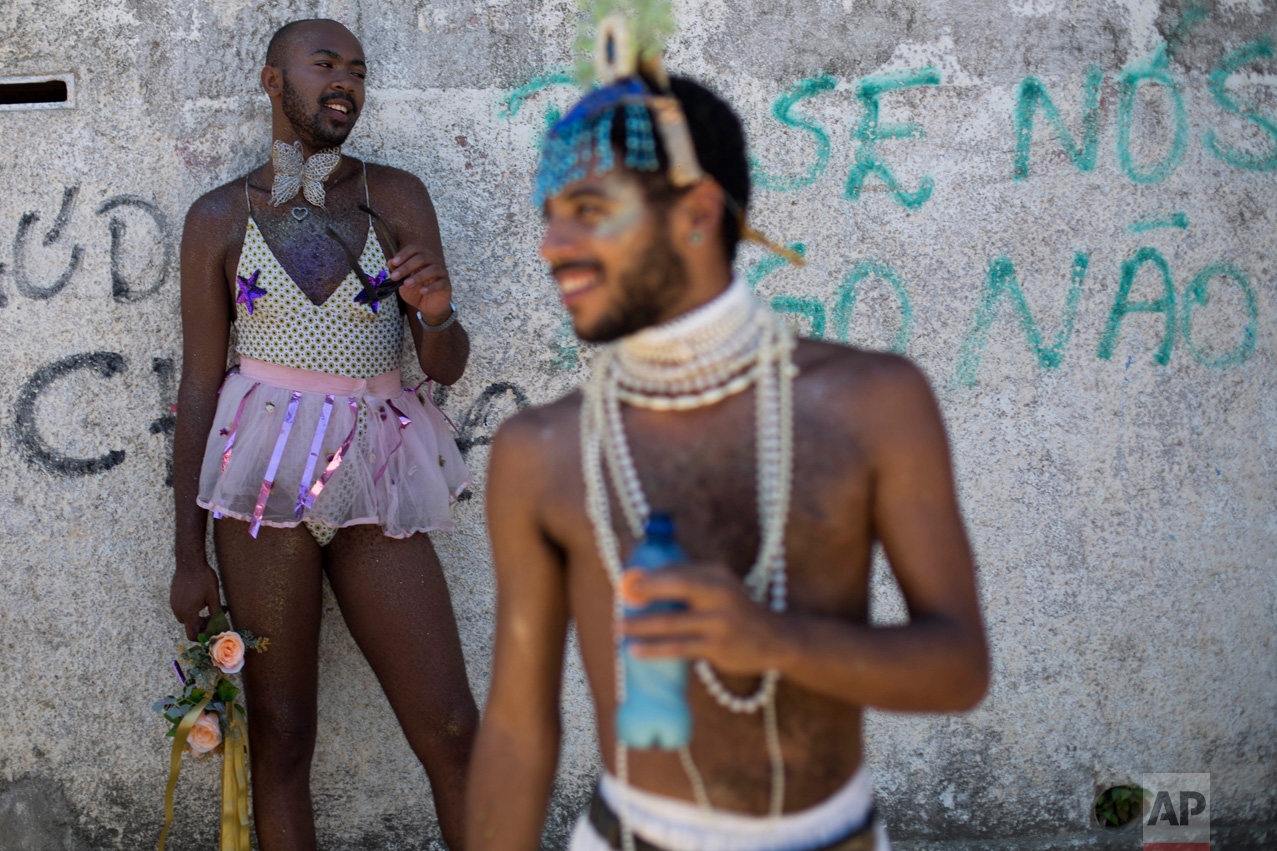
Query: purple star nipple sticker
{"x": 248, "y": 290}
{"x": 375, "y": 289}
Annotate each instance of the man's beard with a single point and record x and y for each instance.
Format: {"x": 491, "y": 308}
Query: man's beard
{"x": 657, "y": 279}
{"x": 310, "y": 125}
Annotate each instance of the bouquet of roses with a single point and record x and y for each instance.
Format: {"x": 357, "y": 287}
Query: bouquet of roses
{"x": 206, "y": 718}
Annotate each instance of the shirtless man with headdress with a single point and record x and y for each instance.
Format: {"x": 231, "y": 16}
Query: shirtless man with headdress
{"x": 780, "y": 463}
{"x": 312, "y": 455}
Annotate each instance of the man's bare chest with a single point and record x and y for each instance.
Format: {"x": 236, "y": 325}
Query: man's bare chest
{"x": 307, "y": 247}
{"x": 701, "y": 467}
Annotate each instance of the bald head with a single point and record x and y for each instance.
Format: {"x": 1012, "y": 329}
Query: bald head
{"x": 314, "y": 75}
{"x": 287, "y": 38}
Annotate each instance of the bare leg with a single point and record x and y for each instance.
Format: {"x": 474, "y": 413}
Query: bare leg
{"x": 395, "y": 601}
{"x": 274, "y": 587}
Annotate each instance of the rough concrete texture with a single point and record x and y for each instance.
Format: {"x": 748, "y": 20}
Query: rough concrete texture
{"x": 1092, "y": 295}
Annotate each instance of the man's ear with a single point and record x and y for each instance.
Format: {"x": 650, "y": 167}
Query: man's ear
{"x": 272, "y": 81}
{"x": 697, "y": 214}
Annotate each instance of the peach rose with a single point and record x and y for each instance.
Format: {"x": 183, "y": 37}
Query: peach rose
{"x": 206, "y": 733}
{"x": 227, "y": 650}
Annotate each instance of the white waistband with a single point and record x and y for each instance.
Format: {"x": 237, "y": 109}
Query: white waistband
{"x": 682, "y": 826}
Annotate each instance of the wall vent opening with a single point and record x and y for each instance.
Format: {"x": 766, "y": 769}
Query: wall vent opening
{"x": 54, "y": 91}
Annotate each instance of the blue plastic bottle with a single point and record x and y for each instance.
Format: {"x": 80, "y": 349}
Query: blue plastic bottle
{"x": 655, "y": 712}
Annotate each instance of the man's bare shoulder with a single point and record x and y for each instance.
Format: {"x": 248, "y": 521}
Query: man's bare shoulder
{"x": 878, "y": 393}
{"x": 386, "y": 180}
{"x": 866, "y": 375}
{"x": 538, "y": 448}
{"x": 546, "y": 432}
{"x": 218, "y": 210}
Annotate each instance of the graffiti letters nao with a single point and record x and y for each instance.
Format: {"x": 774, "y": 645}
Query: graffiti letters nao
{"x": 1219, "y": 288}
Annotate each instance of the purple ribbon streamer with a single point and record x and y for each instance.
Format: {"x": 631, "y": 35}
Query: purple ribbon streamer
{"x": 303, "y": 500}
{"x": 268, "y": 481}
{"x": 230, "y": 440}
{"x": 404, "y": 422}
{"x": 333, "y": 463}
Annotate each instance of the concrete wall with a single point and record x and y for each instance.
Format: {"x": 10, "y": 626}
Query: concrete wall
{"x": 1092, "y": 296}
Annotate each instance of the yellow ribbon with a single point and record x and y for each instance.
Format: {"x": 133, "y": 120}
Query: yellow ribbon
{"x": 235, "y": 823}
{"x": 235, "y": 785}
{"x": 175, "y": 761}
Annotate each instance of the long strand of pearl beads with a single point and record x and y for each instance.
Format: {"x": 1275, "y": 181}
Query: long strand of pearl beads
{"x": 603, "y": 437}
{"x": 623, "y": 775}
{"x": 775, "y": 467}
{"x": 630, "y": 490}
{"x": 699, "y": 792}
{"x": 596, "y": 487}
{"x": 771, "y": 730}
{"x": 773, "y": 567}
{"x": 600, "y": 517}
{"x": 621, "y": 464}
{"x": 770, "y": 561}
{"x": 766, "y": 407}
{"x": 731, "y": 702}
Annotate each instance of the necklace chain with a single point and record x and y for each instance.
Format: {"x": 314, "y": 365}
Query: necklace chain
{"x": 718, "y": 350}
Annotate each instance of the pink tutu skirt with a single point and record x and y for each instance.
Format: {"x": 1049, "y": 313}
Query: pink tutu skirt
{"x": 291, "y": 446}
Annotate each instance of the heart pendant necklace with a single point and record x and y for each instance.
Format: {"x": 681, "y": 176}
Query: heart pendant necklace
{"x": 300, "y": 213}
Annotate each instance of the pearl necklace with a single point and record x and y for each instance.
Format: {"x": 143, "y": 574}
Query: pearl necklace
{"x": 697, "y": 360}
{"x": 692, "y": 360}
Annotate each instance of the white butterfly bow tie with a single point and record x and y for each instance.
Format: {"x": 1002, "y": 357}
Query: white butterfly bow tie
{"x": 293, "y": 172}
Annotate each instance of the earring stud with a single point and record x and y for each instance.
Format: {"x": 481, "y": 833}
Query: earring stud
{"x": 695, "y": 238}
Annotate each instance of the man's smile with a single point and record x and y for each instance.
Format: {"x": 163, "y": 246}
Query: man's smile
{"x": 575, "y": 278}
{"x": 339, "y": 105}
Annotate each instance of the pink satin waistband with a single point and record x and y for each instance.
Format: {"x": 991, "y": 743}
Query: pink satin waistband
{"x": 385, "y": 385}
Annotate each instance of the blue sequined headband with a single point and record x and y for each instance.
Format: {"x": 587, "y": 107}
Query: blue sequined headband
{"x": 583, "y": 138}
{"x": 634, "y": 88}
